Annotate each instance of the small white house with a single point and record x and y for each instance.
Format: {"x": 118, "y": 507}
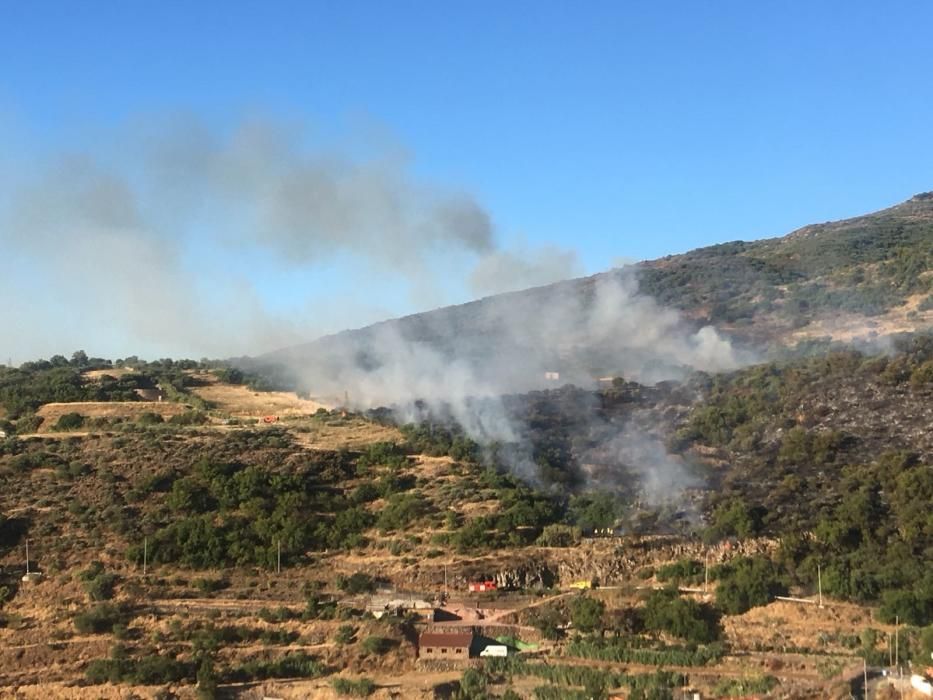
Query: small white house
{"x": 552, "y": 376}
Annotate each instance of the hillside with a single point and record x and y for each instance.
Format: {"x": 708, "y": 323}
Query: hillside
{"x": 643, "y": 516}
{"x": 853, "y": 279}
{"x": 158, "y": 538}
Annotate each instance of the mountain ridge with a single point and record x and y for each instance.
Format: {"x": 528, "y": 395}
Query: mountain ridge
{"x": 864, "y": 276}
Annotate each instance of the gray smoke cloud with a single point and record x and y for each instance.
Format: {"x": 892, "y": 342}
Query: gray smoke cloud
{"x": 459, "y": 362}
{"x": 579, "y": 330}
{"x": 511, "y": 270}
{"x": 136, "y": 248}
{"x": 137, "y": 237}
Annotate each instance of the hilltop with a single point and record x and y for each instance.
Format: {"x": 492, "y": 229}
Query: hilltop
{"x": 847, "y": 280}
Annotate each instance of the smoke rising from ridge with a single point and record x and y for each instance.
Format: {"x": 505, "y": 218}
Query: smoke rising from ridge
{"x": 170, "y": 242}
{"x": 146, "y": 238}
{"x": 459, "y": 363}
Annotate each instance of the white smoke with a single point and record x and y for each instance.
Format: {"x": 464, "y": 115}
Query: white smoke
{"x": 460, "y": 362}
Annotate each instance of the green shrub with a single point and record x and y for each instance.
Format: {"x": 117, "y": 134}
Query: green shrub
{"x": 70, "y": 421}
{"x": 101, "y": 619}
{"x": 211, "y": 585}
{"x": 98, "y": 584}
{"x": 746, "y": 583}
{"x": 666, "y": 611}
{"x": 558, "y": 535}
{"x": 688, "y": 570}
{"x": 376, "y": 645}
{"x": 634, "y": 650}
{"x": 150, "y": 418}
{"x": 356, "y": 583}
{"x": 359, "y": 688}
{"x": 345, "y": 634}
{"x": 730, "y": 687}
{"x": 586, "y": 614}
{"x": 294, "y": 665}
{"x": 189, "y": 418}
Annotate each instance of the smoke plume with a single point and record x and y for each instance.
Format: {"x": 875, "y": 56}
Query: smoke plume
{"x": 168, "y": 236}
{"x": 181, "y": 239}
{"x": 460, "y": 362}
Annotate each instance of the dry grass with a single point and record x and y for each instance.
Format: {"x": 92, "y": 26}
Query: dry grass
{"x": 350, "y": 432}
{"x": 51, "y": 412}
{"x": 242, "y": 402}
{"x": 95, "y": 375}
{"x": 800, "y": 625}
{"x": 847, "y": 327}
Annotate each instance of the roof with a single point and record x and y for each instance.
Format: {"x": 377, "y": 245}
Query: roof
{"x": 445, "y": 639}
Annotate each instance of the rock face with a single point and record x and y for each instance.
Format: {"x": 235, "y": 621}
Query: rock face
{"x": 531, "y": 575}
{"x": 611, "y": 561}
{"x": 605, "y": 561}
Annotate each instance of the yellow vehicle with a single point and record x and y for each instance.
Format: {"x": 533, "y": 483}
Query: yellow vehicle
{"x": 582, "y": 585}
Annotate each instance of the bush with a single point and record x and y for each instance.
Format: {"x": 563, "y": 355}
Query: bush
{"x": 376, "y": 645}
{"x": 70, "y": 421}
{"x": 29, "y": 424}
{"x": 296, "y": 665}
{"x": 586, "y": 614}
{"x": 746, "y": 583}
{"x": 735, "y": 518}
{"x": 356, "y": 583}
{"x": 558, "y": 535}
{"x": 150, "y": 418}
{"x": 101, "y": 619}
{"x": 345, "y": 634}
{"x": 666, "y": 611}
{"x": 633, "y": 650}
{"x": 189, "y": 418}
{"x": 98, "y": 583}
{"x": 360, "y": 688}
{"x": 147, "y": 670}
{"x": 211, "y": 585}
{"x": 207, "y": 680}
{"x": 729, "y": 687}
{"x": 689, "y": 570}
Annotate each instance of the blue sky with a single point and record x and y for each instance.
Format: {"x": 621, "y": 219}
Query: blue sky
{"x": 618, "y": 130}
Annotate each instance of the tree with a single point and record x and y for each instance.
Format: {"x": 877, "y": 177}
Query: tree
{"x": 207, "y": 680}
{"x": 746, "y": 583}
{"x": 586, "y": 614}
{"x": 666, "y": 611}
{"x": 735, "y": 518}
{"x": 472, "y": 686}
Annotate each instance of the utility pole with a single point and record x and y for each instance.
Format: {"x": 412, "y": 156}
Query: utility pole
{"x": 445, "y": 583}
{"x": 278, "y": 556}
{"x": 819, "y": 578}
{"x": 145, "y": 554}
{"x": 27, "y": 557}
{"x": 865, "y": 675}
{"x": 706, "y": 574}
{"x": 897, "y": 664}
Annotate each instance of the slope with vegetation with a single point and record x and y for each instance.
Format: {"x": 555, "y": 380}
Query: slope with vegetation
{"x": 209, "y": 548}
